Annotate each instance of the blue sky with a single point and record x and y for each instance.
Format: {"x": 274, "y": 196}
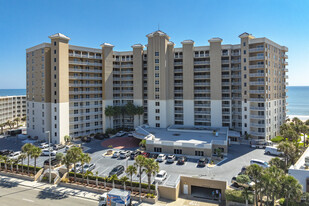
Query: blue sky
{"x": 24, "y": 24}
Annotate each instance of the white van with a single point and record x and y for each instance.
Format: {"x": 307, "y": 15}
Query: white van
{"x": 272, "y": 151}
{"x": 259, "y": 162}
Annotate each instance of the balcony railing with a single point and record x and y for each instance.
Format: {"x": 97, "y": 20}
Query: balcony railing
{"x": 86, "y": 63}
{"x": 257, "y": 108}
{"x": 256, "y": 58}
{"x": 258, "y": 83}
{"x": 201, "y": 83}
{"x": 256, "y": 66}
{"x": 258, "y": 74}
{"x": 201, "y": 69}
{"x": 202, "y": 62}
{"x": 178, "y": 63}
{"x": 86, "y": 70}
{"x": 201, "y": 76}
{"x": 257, "y": 99}
{"x": 85, "y": 85}
{"x": 257, "y": 49}
{"x": 257, "y": 91}
{"x": 257, "y": 116}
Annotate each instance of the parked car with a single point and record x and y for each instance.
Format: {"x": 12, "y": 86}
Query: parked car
{"x": 259, "y": 162}
{"x": 58, "y": 146}
{"x": 145, "y": 154}
{"x": 202, "y": 162}
{"x": 161, "y": 157}
{"x": 153, "y": 155}
{"x": 118, "y": 170}
{"x": 116, "y": 154}
{"x": 45, "y": 152}
{"x": 124, "y": 154}
{"x": 77, "y": 166}
{"x": 242, "y": 171}
{"x": 101, "y": 136}
{"x": 134, "y": 154}
{"x": 269, "y": 150}
{"x": 120, "y": 134}
{"x": 161, "y": 176}
{"x": 86, "y": 139}
{"x": 181, "y": 160}
{"x": 261, "y": 144}
{"x": 14, "y": 155}
{"x": 43, "y": 146}
{"x": 89, "y": 167}
{"x": 54, "y": 162}
{"x": 130, "y": 134}
{"x": 170, "y": 158}
{"x": 6, "y": 152}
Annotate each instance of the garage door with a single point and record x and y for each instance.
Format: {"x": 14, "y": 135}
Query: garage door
{"x": 206, "y": 193}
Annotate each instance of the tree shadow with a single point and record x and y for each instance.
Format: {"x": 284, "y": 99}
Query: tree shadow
{"x": 52, "y": 193}
{"x": 7, "y": 183}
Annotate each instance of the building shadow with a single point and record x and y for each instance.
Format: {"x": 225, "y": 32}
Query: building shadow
{"x": 52, "y": 193}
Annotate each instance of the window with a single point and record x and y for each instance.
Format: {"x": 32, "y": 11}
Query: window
{"x": 156, "y": 67}
{"x": 156, "y": 54}
{"x": 245, "y": 76}
{"x": 157, "y": 149}
{"x": 55, "y": 117}
{"x": 244, "y": 43}
{"x": 55, "y": 134}
{"x": 245, "y": 124}
{"x": 177, "y": 151}
{"x": 199, "y": 153}
{"x": 157, "y": 110}
{"x": 157, "y": 96}
{"x": 55, "y": 68}
{"x": 157, "y": 117}
{"x": 245, "y": 60}
{"x": 42, "y": 58}
{"x": 156, "y": 60}
{"x": 157, "y": 103}
{"x": 55, "y": 84}
{"x": 157, "y": 124}
{"x": 157, "y": 82}
{"x": 157, "y": 89}
{"x": 55, "y": 51}
{"x": 156, "y": 74}
{"x": 55, "y": 126}
{"x": 245, "y": 68}
{"x": 245, "y": 52}
{"x": 55, "y": 43}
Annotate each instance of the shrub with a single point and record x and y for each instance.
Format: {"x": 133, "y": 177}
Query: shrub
{"x": 277, "y": 139}
{"x": 237, "y": 196}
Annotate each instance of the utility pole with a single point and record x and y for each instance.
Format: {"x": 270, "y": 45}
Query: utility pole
{"x": 48, "y": 132}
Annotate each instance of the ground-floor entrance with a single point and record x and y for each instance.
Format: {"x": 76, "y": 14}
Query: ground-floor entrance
{"x": 206, "y": 193}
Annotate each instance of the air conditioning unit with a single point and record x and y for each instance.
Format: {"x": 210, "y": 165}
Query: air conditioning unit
{"x": 307, "y": 161}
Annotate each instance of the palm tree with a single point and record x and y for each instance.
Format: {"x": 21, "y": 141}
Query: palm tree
{"x": 113, "y": 178}
{"x": 292, "y": 190}
{"x": 255, "y": 173}
{"x": 27, "y": 148}
{"x": 277, "y": 162}
{"x": 11, "y": 162}
{"x": 123, "y": 180}
{"x": 10, "y": 124}
{"x": 74, "y": 153}
{"x": 87, "y": 173}
{"x": 152, "y": 167}
{"x": 5, "y": 160}
{"x": 84, "y": 158}
{"x": 109, "y": 112}
{"x": 17, "y": 120}
{"x": 139, "y": 111}
{"x": 140, "y": 163}
{"x": 96, "y": 178}
{"x": 142, "y": 143}
{"x": 22, "y": 157}
{"x": 67, "y": 139}
{"x": 130, "y": 109}
{"x": 24, "y": 118}
{"x": 67, "y": 161}
{"x": 289, "y": 152}
{"x": 243, "y": 180}
{"x": 2, "y": 127}
{"x": 131, "y": 170}
{"x": 59, "y": 156}
{"x": 35, "y": 153}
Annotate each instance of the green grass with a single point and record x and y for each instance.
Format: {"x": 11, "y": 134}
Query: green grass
{"x": 277, "y": 139}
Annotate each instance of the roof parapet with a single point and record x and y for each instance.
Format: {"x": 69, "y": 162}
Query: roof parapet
{"x": 188, "y": 41}
{"x": 59, "y": 36}
{"x": 215, "y": 39}
{"x": 106, "y": 45}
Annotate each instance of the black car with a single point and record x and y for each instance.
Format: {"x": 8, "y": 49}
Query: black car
{"x": 6, "y": 152}
{"x": 118, "y": 170}
{"x": 86, "y": 139}
{"x": 134, "y": 154}
{"x": 54, "y": 162}
{"x": 101, "y": 136}
{"x": 154, "y": 156}
{"x": 181, "y": 160}
{"x": 202, "y": 162}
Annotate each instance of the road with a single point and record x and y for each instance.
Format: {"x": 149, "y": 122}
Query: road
{"x": 19, "y": 195}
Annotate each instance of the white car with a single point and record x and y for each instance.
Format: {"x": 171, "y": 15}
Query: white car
{"x": 161, "y": 157}
{"x": 170, "y": 158}
{"x": 130, "y": 134}
{"x": 120, "y": 134}
{"x": 116, "y": 154}
{"x": 161, "y": 176}
{"x": 43, "y": 146}
{"x": 14, "y": 155}
{"x": 259, "y": 162}
{"x": 45, "y": 152}
{"x": 124, "y": 154}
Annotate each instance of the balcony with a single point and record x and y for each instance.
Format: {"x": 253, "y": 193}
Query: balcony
{"x": 179, "y": 118}
{"x": 256, "y": 58}
{"x": 178, "y": 57}
{"x": 235, "y": 53}
{"x": 202, "y": 112}
{"x": 201, "y": 90}
{"x": 127, "y": 72}
{"x": 257, "y": 108}
{"x": 85, "y": 77}
{"x": 201, "y": 83}
{"x": 286, "y": 76}
{"x": 178, "y": 77}
{"x": 236, "y": 90}
{"x": 178, "y": 84}
{"x": 236, "y": 83}
{"x": 85, "y": 85}
{"x": 256, "y": 66}
{"x": 286, "y": 63}
{"x": 201, "y": 55}
{"x": 236, "y": 76}
{"x": 225, "y": 83}
{"x": 257, "y": 125}
{"x": 126, "y": 65}
{"x": 257, "y": 49}
{"x": 226, "y": 76}
{"x": 202, "y": 62}
{"x": 235, "y": 61}
{"x": 257, "y": 99}
{"x": 286, "y": 70}
{"x": 127, "y": 78}
{"x": 258, "y": 133}
{"x": 86, "y": 70}
{"x": 202, "y": 119}
{"x": 206, "y": 98}
{"x": 257, "y": 91}
{"x": 85, "y": 63}
{"x": 178, "y": 63}
{"x": 258, "y": 83}
{"x": 225, "y": 69}
{"x": 202, "y": 69}
{"x": 202, "y": 105}
{"x": 178, "y": 111}
{"x": 85, "y": 99}
{"x": 86, "y": 92}
{"x": 116, "y": 65}
{"x": 285, "y": 56}
{"x": 225, "y": 61}
{"x": 201, "y": 76}
{"x": 258, "y": 74}
{"x": 178, "y": 70}
{"x": 178, "y": 91}
{"x": 257, "y": 116}
{"x": 178, "y": 97}
{"x": 236, "y": 68}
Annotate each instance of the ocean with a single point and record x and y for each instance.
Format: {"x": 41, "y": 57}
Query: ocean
{"x": 298, "y": 100}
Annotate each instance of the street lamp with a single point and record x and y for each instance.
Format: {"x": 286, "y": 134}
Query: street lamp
{"x": 48, "y": 132}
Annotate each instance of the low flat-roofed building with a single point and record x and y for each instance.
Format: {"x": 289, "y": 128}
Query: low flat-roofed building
{"x": 300, "y": 171}
{"x": 186, "y": 140}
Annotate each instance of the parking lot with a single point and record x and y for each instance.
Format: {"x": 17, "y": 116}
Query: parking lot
{"x": 238, "y": 156}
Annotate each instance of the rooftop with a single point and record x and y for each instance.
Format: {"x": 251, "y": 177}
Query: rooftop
{"x": 300, "y": 164}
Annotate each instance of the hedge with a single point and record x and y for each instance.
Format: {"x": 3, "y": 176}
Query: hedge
{"x": 31, "y": 168}
{"x": 102, "y": 179}
{"x": 277, "y": 139}
{"x": 237, "y": 196}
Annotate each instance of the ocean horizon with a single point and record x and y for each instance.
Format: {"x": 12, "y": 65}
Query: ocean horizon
{"x": 298, "y": 96}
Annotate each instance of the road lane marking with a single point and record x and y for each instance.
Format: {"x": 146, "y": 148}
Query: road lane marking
{"x": 27, "y": 200}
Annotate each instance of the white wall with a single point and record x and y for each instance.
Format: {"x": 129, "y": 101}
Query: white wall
{"x": 216, "y": 113}
{"x": 106, "y": 121}
{"x": 188, "y": 112}
{"x": 166, "y": 113}
{"x": 62, "y": 121}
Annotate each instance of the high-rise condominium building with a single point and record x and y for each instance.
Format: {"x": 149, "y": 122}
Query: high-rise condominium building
{"x": 12, "y": 107}
{"x": 241, "y": 86}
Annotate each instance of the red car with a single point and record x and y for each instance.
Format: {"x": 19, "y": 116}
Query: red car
{"x": 146, "y": 154}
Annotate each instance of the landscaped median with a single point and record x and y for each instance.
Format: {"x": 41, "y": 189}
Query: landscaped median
{"x": 101, "y": 185}
{"x": 20, "y": 171}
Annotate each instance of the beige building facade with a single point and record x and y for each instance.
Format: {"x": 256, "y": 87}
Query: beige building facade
{"x": 241, "y": 86}
{"x": 12, "y": 107}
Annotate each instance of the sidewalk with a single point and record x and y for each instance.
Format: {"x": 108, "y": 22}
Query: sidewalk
{"x": 49, "y": 188}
